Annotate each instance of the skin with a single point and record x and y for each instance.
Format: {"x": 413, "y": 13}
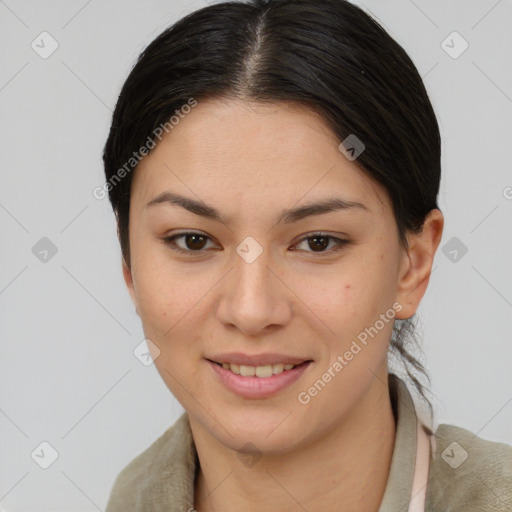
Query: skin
{"x": 250, "y": 161}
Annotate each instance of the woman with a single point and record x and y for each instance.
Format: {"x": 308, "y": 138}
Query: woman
{"x": 274, "y": 169}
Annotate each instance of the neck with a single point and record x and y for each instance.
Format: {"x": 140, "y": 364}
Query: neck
{"x": 348, "y": 467}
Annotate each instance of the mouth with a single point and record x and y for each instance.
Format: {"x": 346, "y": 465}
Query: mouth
{"x": 267, "y": 376}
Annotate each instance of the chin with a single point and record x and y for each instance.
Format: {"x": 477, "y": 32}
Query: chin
{"x": 269, "y": 432}
{"x": 260, "y": 443}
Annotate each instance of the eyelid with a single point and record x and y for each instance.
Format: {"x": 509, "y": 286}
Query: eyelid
{"x": 169, "y": 241}
{"x": 340, "y": 242}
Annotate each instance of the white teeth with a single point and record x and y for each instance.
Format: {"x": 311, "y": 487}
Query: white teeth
{"x": 258, "y": 371}
{"x": 277, "y": 368}
{"x": 263, "y": 371}
{"x": 247, "y": 371}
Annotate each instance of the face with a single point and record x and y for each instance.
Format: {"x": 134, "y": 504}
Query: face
{"x": 229, "y": 265}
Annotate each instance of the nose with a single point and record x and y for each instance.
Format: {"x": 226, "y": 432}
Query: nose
{"x": 254, "y": 299}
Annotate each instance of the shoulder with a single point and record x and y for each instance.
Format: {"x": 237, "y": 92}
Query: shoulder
{"x": 469, "y": 473}
{"x": 149, "y": 479}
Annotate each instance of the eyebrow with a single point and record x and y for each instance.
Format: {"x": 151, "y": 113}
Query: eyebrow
{"x": 287, "y": 216}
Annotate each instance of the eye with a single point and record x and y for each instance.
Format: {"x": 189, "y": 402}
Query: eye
{"x": 319, "y": 242}
{"x": 191, "y": 242}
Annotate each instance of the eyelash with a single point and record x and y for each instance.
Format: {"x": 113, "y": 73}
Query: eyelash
{"x": 170, "y": 242}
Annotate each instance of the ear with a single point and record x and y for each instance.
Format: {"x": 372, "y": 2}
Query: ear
{"x": 128, "y": 279}
{"x": 416, "y": 265}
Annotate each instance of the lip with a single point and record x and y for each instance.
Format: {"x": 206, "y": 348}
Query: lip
{"x": 256, "y": 359}
{"x": 258, "y": 387}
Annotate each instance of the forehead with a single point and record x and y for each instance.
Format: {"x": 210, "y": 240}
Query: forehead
{"x": 249, "y": 152}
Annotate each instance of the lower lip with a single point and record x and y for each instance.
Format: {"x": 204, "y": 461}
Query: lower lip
{"x": 258, "y": 387}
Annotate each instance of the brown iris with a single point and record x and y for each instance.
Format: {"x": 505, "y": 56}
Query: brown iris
{"x": 321, "y": 242}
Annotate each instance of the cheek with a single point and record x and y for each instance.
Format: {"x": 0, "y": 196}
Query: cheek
{"x": 157, "y": 301}
{"x": 172, "y": 303}
{"x": 162, "y": 290}
{"x": 356, "y": 294}
{"x": 167, "y": 316}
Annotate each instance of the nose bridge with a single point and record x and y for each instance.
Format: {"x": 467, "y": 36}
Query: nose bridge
{"x": 252, "y": 278}
{"x": 253, "y": 297}
{"x": 252, "y": 284}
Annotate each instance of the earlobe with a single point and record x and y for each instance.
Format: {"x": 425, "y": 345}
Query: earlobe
{"x": 416, "y": 266}
{"x": 128, "y": 279}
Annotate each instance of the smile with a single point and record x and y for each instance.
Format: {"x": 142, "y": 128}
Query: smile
{"x": 257, "y": 371}
{"x": 258, "y": 381}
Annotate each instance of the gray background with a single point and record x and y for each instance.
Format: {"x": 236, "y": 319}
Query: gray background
{"x": 68, "y": 374}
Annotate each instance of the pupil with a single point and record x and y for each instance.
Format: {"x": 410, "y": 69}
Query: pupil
{"x": 194, "y": 238}
{"x": 315, "y": 239}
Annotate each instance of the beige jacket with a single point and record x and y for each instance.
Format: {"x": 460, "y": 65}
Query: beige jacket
{"x": 466, "y": 474}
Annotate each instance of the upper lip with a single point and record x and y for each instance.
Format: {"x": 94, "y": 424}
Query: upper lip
{"x": 256, "y": 359}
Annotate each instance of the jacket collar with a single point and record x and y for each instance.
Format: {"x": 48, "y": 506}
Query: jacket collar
{"x": 399, "y": 485}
